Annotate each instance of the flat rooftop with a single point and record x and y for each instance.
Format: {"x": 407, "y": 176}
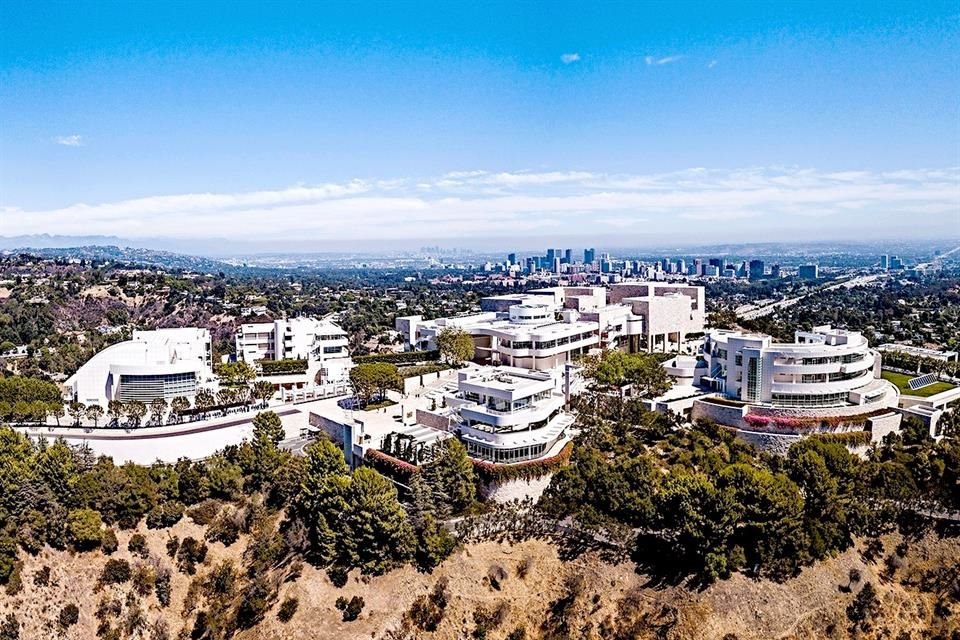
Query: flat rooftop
{"x": 507, "y": 378}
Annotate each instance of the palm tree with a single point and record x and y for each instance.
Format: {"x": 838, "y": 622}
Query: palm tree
{"x": 263, "y": 390}
{"x": 178, "y": 405}
{"x": 115, "y": 411}
{"x": 94, "y": 413}
{"x": 158, "y": 407}
{"x": 77, "y": 410}
{"x": 57, "y": 410}
{"x": 135, "y": 411}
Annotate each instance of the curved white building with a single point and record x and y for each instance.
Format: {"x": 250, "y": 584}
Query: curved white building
{"x": 528, "y": 335}
{"x": 164, "y": 363}
{"x": 822, "y": 368}
{"x": 509, "y": 415}
{"x": 826, "y": 381}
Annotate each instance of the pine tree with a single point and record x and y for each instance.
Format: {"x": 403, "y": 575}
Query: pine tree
{"x": 450, "y": 476}
{"x": 377, "y": 535}
{"x": 322, "y": 503}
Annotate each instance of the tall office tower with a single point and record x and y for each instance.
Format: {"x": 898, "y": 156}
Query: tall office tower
{"x": 665, "y": 264}
{"x": 568, "y": 256}
{"x": 896, "y": 264}
{"x": 606, "y": 266}
{"x": 681, "y": 266}
{"x": 589, "y": 255}
{"x": 697, "y": 267}
{"x": 716, "y": 262}
{"x": 551, "y": 254}
{"x": 808, "y": 272}
{"x": 556, "y": 264}
{"x": 531, "y": 264}
{"x": 511, "y": 259}
{"x": 884, "y": 262}
{"x": 774, "y": 271}
{"x": 756, "y": 269}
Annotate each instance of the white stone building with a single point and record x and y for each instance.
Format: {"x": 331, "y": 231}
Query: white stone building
{"x": 825, "y": 367}
{"x": 669, "y": 312}
{"x": 321, "y": 342}
{"x": 509, "y": 415}
{"x": 164, "y": 363}
{"x": 826, "y": 381}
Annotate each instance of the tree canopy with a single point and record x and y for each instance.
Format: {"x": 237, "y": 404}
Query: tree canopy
{"x": 374, "y": 379}
{"x": 456, "y": 346}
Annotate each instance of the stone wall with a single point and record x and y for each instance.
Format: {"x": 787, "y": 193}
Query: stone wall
{"x": 880, "y": 426}
{"x": 514, "y": 489}
{"x": 776, "y": 443}
{"x": 330, "y": 427}
{"x": 430, "y": 419}
{"x": 413, "y": 383}
{"x": 719, "y": 413}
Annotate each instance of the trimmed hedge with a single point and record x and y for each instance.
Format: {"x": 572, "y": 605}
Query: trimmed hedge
{"x": 388, "y": 465}
{"x": 422, "y": 370}
{"x": 848, "y": 438}
{"x": 529, "y": 470}
{"x": 280, "y": 367}
{"x": 405, "y": 357}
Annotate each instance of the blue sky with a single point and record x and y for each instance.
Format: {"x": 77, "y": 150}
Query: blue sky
{"x": 396, "y": 121}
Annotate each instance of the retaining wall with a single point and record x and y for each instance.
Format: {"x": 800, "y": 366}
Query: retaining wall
{"x": 514, "y": 489}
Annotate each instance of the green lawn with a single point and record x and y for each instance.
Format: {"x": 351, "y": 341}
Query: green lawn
{"x": 901, "y": 379}
{"x": 373, "y": 406}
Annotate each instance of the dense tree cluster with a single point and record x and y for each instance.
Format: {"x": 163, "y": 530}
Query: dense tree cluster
{"x": 354, "y": 520}
{"x": 921, "y": 312}
{"x": 25, "y": 399}
{"x": 698, "y": 501}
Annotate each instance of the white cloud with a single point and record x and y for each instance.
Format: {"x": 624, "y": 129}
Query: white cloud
{"x": 651, "y": 60}
{"x": 711, "y": 64}
{"x": 570, "y": 58}
{"x": 69, "y": 141}
{"x": 465, "y": 203}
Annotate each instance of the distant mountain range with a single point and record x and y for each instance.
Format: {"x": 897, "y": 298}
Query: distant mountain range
{"x": 62, "y": 247}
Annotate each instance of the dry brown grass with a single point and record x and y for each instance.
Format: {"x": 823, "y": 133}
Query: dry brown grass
{"x": 612, "y": 597}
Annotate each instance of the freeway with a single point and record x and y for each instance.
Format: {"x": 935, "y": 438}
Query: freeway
{"x": 765, "y": 310}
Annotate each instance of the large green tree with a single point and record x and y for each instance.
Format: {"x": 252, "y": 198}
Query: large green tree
{"x": 455, "y": 345}
{"x": 374, "y": 379}
{"x": 377, "y": 535}
{"x": 449, "y": 477}
{"x": 267, "y": 434}
{"x": 322, "y": 502}
{"x": 86, "y": 529}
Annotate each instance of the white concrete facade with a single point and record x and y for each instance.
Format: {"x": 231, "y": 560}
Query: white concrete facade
{"x": 509, "y": 415}
{"x": 527, "y": 336}
{"x": 668, "y": 312}
{"x": 321, "y": 342}
{"x": 164, "y": 363}
{"x": 544, "y": 328}
{"x": 821, "y": 368}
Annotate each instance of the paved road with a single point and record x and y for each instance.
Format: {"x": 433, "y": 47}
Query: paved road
{"x": 296, "y": 445}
